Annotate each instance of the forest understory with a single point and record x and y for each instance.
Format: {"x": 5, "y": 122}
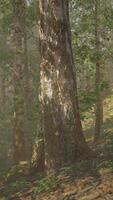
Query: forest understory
{"x": 85, "y": 180}
{"x": 56, "y": 100}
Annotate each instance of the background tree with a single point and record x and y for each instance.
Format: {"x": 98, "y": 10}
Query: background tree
{"x": 98, "y": 75}
{"x": 19, "y": 129}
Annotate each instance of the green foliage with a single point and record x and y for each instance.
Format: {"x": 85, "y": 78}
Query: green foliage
{"x": 46, "y": 184}
{"x": 52, "y": 181}
{"x": 31, "y": 14}
{"x": 14, "y": 187}
{"x": 87, "y": 101}
{"x": 69, "y": 170}
{"x": 109, "y": 143}
{"x": 103, "y": 86}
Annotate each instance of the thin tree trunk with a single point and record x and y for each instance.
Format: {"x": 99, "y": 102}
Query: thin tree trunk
{"x": 58, "y": 86}
{"x": 27, "y": 90}
{"x": 19, "y": 128}
{"x": 3, "y": 88}
{"x": 98, "y": 78}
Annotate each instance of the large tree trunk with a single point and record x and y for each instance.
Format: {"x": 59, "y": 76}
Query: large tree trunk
{"x": 19, "y": 139}
{"x": 98, "y": 78}
{"x": 58, "y": 85}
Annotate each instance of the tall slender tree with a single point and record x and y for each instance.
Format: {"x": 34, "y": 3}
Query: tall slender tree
{"x": 98, "y": 78}
{"x": 19, "y": 138}
{"x": 3, "y": 87}
{"x": 27, "y": 86}
{"x": 58, "y": 85}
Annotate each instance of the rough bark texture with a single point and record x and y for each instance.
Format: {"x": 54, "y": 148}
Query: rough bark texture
{"x": 99, "y": 104}
{"x": 58, "y": 85}
{"x": 38, "y": 153}
{"x": 38, "y": 156}
{"x": 19, "y": 140}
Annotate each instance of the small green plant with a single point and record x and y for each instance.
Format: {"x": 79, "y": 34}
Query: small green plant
{"x": 68, "y": 170}
{"x": 46, "y": 184}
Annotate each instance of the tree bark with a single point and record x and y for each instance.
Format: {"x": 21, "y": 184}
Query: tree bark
{"x": 58, "y": 86}
{"x": 27, "y": 88}
{"x": 19, "y": 128}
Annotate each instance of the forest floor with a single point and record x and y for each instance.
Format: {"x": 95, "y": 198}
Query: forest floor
{"x": 86, "y": 180}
